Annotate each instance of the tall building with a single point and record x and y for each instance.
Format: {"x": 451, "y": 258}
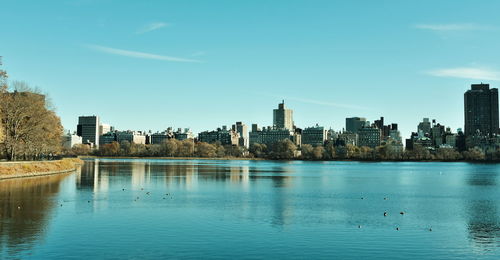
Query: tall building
{"x": 353, "y": 124}
{"x": 242, "y": 129}
{"x": 395, "y": 136}
{"x": 282, "y": 117}
{"x": 107, "y": 138}
{"x": 269, "y": 135}
{"x": 159, "y": 138}
{"x": 450, "y": 139}
{"x": 346, "y": 138}
{"x": 135, "y": 137}
{"x": 88, "y": 129}
{"x": 379, "y": 123}
{"x": 314, "y": 136}
{"x": 183, "y": 134}
{"x": 104, "y": 128}
{"x": 481, "y": 110}
{"x": 437, "y": 134}
{"x": 424, "y": 127}
{"x": 369, "y": 137}
{"x": 222, "y": 135}
{"x": 70, "y": 140}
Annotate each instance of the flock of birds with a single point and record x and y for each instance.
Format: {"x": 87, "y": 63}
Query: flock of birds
{"x": 385, "y": 215}
{"x": 137, "y": 198}
{"x": 168, "y": 194}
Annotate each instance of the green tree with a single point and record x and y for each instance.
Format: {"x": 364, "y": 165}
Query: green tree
{"x": 330, "y": 151}
{"x": 307, "y": 151}
{"x": 258, "y": 150}
{"x": 283, "y": 150}
{"x": 81, "y": 149}
{"x": 474, "y": 154}
{"x": 447, "y": 154}
{"x": 186, "y": 148}
{"x": 220, "y": 151}
{"x": 318, "y": 152}
{"x": 112, "y": 149}
{"x": 171, "y": 147}
{"x": 205, "y": 150}
{"x": 125, "y": 147}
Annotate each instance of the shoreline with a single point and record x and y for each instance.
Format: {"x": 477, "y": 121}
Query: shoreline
{"x": 277, "y": 160}
{"x": 174, "y": 158}
{"x": 20, "y": 169}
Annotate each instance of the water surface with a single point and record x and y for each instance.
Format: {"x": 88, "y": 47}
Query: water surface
{"x": 148, "y": 209}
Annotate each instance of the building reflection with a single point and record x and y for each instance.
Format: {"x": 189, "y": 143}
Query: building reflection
{"x": 138, "y": 179}
{"x": 482, "y": 212}
{"x": 103, "y": 176}
{"x": 88, "y": 174}
{"x": 282, "y": 204}
{"x": 25, "y": 208}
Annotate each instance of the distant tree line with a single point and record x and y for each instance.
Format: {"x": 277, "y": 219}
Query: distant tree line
{"x": 387, "y": 152}
{"x": 31, "y": 130}
{"x": 170, "y": 148}
{"x": 285, "y": 150}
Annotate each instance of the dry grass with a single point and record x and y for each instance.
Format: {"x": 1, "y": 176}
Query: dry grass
{"x": 39, "y": 167}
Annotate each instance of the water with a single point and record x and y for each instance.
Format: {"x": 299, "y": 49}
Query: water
{"x": 254, "y": 209}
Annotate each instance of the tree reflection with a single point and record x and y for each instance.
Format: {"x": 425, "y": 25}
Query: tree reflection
{"x": 100, "y": 175}
{"x": 25, "y": 206}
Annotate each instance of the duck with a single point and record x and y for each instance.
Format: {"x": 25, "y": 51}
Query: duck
{"x": 385, "y": 214}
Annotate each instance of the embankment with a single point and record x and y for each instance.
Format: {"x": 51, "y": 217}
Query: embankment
{"x": 9, "y": 170}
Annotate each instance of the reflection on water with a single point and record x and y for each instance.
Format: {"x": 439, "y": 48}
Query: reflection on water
{"x": 25, "y": 208}
{"x": 305, "y": 208}
{"x": 484, "y": 224}
{"x": 482, "y": 208}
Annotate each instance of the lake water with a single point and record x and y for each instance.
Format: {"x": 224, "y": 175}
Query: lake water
{"x": 150, "y": 209}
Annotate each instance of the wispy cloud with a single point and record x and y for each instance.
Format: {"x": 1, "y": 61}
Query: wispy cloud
{"x": 152, "y": 27}
{"x": 467, "y": 73}
{"x": 197, "y": 53}
{"x": 325, "y": 103}
{"x": 453, "y": 27}
{"x": 136, "y": 54}
{"x": 310, "y": 101}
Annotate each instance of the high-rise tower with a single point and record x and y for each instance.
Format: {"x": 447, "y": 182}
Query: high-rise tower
{"x": 88, "y": 129}
{"x": 282, "y": 117}
{"x": 481, "y": 110}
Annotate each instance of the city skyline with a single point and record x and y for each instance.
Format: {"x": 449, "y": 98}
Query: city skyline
{"x": 198, "y": 69}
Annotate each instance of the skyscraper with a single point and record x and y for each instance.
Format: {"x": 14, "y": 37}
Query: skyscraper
{"x": 353, "y": 124}
{"x": 88, "y": 129}
{"x": 242, "y": 129}
{"x": 282, "y": 117}
{"x": 424, "y": 127}
{"x": 481, "y": 110}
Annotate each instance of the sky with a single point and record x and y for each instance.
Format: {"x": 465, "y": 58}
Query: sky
{"x": 148, "y": 65}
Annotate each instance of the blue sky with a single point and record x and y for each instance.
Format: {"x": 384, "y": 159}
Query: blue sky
{"x": 152, "y": 64}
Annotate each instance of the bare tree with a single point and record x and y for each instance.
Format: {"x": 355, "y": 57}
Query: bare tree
{"x": 32, "y": 130}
